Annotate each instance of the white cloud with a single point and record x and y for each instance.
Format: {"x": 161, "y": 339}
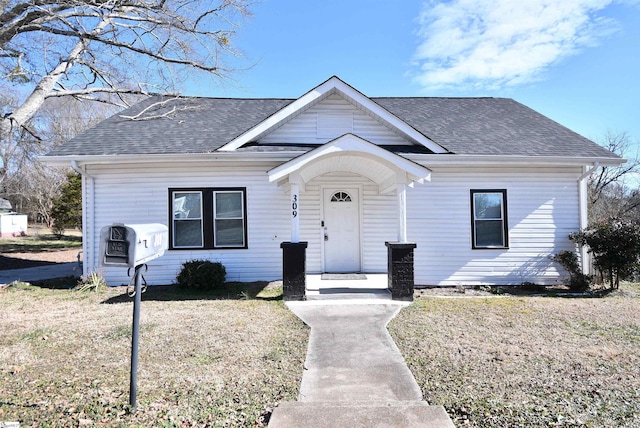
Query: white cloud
{"x": 490, "y": 44}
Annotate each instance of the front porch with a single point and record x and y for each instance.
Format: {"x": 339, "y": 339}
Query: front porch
{"x": 297, "y": 285}
{"x": 347, "y": 286}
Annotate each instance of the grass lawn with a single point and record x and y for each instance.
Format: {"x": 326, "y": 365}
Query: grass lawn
{"x": 65, "y": 358}
{"x": 527, "y": 361}
{"x": 41, "y": 240}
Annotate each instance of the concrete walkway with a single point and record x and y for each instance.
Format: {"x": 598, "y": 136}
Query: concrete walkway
{"x": 354, "y": 373}
{"x": 58, "y": 270}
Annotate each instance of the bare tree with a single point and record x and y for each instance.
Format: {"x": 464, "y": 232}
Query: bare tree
{"x": 614, "y": 191}
{"x": 32, "y": 190}
{"x": 28, "y": 184}
{"x": 101, "y": 50}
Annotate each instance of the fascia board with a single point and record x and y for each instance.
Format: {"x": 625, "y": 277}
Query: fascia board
{"x": 420, "y": 159}
{"x": 64, "y": 161}
{"x": 490, "y": 160}
{"x": 275, "y": 119}
{"x": 386, "y": 116}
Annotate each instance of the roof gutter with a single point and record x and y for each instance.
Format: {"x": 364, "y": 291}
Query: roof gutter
{"x": 422, "y": 159}
{"x": 589, "y": 171}
{"x": 87, "y": 220}
{"x": 76, "y": 168}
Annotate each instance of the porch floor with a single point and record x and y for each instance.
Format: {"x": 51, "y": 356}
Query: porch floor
{"x": 372, "y": 286}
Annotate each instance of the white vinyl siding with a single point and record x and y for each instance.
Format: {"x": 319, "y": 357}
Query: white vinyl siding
{"x": 139, "y": 194}
{"x": 542, "y": 211}
{"x": 332, "y": 117}
{"x": 333, "y": 125}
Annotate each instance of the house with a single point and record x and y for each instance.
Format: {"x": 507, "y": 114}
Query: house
{"x": 486, "y": 188}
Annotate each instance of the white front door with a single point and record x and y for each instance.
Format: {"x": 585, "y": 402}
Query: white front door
{"x": 341, "y": 229}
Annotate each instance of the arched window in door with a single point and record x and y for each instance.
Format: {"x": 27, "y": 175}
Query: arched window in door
{"x": 341, "y": 197}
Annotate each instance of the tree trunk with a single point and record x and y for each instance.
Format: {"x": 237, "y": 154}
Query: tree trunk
{"x": 611, "y": 277}
{"x": 46, "y": 86}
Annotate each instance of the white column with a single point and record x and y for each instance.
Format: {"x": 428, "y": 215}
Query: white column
{"x": 402, "y": 207}
{"x": 294, "y": 180}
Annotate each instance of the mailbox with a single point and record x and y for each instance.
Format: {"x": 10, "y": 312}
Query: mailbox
{"x": 132, "y": 244}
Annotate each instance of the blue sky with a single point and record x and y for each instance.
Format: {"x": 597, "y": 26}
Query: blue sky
{"x": 576, "y": 61}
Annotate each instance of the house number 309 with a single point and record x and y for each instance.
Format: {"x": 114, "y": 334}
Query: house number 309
{"x": 294, "y": 206}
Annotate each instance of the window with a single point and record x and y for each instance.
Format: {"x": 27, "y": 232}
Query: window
{"x": 489, "y": 219}
{"x": 341, "y": 197}
{"x": 228, "y": 213}
{"x": 208, "y": 218}
{"x": 187, "y": 220}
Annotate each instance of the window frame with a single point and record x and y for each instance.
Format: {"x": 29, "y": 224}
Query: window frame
{"x": 208, "y": 217}
{"x": 242, "y": 217}
{"x": 503, "y": 219}
{"x": 173, "y": 219}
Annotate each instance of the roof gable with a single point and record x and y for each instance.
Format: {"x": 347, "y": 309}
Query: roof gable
{"x": 330, "y": 118}
{"x": 332, "y": 86}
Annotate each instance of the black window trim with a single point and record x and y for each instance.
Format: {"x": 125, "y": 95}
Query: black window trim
{"x": 208, "y": 218}
{"x": 505, "y": 217}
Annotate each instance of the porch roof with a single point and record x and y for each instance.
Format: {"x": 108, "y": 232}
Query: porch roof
{"x": 350, "y": 153}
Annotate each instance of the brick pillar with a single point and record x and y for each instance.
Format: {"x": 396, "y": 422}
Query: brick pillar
{"x": 400, "y": 270}
{"x": 294, "y": 270}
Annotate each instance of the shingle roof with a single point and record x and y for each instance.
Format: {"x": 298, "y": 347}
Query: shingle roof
{"x": 198, "y": 125}
{"x": 490, "y": 126}
{"x": 475, "y": 126}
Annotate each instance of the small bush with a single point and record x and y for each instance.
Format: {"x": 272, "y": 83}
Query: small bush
{"x": 202, "y": 274}
{"x": 577, "y": 280}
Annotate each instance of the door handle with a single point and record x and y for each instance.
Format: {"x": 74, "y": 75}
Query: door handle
{"x": 326, "y": 235}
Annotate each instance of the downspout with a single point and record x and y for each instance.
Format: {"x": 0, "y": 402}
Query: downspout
{"x": 584, "y": 213}
{"x": 87, "y": 226}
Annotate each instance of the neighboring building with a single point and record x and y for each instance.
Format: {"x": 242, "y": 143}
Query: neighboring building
{"x": 487, "y": 188}
{"x": 11, "y": 223}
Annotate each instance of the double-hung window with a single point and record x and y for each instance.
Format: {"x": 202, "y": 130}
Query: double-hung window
{"x": 489, "y": 227}
{"x": 208, "y": 218}
{"x": 228, "y": 215}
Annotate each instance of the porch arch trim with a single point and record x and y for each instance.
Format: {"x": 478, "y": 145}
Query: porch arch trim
{"x": 351, "y": 153}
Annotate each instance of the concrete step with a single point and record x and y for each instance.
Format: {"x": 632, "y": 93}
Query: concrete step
{"x": 348, "y": 293}
{"x": 405, "y": 414}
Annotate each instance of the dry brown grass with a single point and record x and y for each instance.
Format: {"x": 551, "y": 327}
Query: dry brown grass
{"x": 64, "y": 359}
{"x": 527, "y": 361}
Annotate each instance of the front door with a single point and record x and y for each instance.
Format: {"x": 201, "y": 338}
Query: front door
{"x": 341, "y": 229}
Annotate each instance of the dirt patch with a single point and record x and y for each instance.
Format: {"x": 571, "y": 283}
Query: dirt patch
{"x": 27, "y": 260}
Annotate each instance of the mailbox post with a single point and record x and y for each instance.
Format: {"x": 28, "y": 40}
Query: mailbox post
{"x": 132, "y": 246}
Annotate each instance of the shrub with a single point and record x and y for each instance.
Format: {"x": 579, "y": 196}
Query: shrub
{"x": 577, "y": 280}
{"x": 202, "y": 274}
{"x": 615, "y": 245}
